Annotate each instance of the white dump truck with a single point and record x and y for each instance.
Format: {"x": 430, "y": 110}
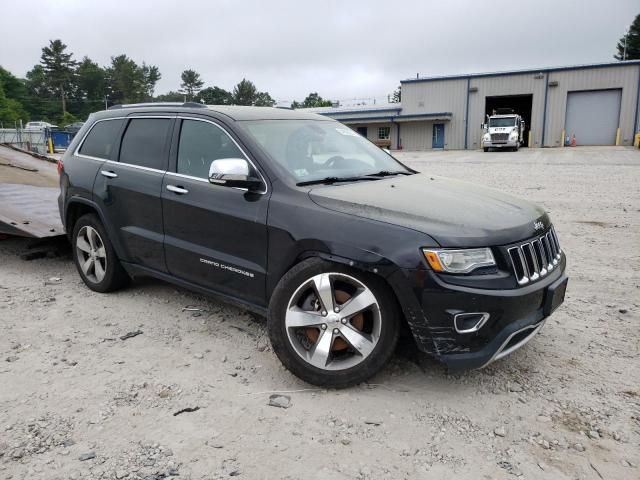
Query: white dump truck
{"x": 503, "y": 130}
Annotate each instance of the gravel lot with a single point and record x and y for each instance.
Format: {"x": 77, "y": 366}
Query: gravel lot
{"x": 78, "y": 401}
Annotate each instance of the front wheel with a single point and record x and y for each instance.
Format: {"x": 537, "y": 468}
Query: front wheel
{"x": 486, "y": 149}
{"x": 332, "y": 326}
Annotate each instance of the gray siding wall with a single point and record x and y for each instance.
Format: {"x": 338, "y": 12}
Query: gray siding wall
{"x": 435, "y": 96}
{"x": 624, "y": 77}
{"x": 417, "y": 136}
{"x": 372, "y": 131}
{"x": 522, "y": 84}
{"x": 451, "y": 96}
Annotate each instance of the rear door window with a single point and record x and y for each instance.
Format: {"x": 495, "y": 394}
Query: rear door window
{"x": 101, "y": 139}
{"x": 143, "y": 143}
{"x": 200, "y": 144}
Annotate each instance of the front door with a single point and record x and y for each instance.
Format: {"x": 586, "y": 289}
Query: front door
{"x": 438, "y": 136}
{"x": 215, "y": 236}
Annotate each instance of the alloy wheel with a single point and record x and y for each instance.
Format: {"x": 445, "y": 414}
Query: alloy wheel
{"x": 333, "y": 321}
{"x": 92, "y": 256}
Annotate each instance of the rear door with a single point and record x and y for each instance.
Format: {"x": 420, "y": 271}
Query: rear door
{"x": 128, "y": 189}
{"x": 215, "y": 236}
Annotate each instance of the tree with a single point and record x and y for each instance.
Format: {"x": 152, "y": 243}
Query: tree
{"x": 59, "y": 68}
{"x": 246, "y": 93}
{"x": 396, "y": 97}
{"x": 11, "y": 110}
{"x": 312, "y": 100}
{"x": 263, "y": 99}
{"x": 66, "y": 119}
{"x": 633, "y": 42}
{"x": 41, "y": 101}
{"x": 14, "y": 87}
{"x": 170, "y": 97}
{"x": 125, "y": 80}
{"x": 91, "y": 87}
{"x": 214, "y": 96}
{"x": 150, "y": 76}
{"x": 191, "y": 83}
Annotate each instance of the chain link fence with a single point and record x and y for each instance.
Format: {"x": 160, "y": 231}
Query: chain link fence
{"x": 32, "y": 140}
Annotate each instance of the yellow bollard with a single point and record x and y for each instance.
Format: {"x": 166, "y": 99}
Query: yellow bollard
{"x": 636, "y": 142}
{"x": 562, "y": 138}
{"x": 618, "y": 137}
{"x": 50, "y": 145}
{"x": 530, "y": 141}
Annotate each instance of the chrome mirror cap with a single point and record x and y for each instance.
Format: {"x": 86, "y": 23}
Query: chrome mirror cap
{"x": 228, "y": 166}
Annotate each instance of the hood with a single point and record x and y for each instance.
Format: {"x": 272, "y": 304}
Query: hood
{"x": 454, "y": 213}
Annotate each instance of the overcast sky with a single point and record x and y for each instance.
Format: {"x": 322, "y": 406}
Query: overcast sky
{"x": 341, "y": 49}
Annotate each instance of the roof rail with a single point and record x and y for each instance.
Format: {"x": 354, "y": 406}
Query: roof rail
{"x": 159, "y": 105}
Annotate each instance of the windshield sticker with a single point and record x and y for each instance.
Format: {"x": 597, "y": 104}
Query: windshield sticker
{"x": 347, "y": 131}
{"x": 301, "y": 172}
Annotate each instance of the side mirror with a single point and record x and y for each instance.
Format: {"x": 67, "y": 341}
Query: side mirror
{"x": 233, "y": 172}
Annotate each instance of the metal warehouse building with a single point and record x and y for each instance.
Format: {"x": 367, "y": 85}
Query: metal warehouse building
{"x": 597, "y": 103}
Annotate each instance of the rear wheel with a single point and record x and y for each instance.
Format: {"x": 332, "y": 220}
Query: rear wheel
{"x": 95, "y": 257}
{"x": 332, "y": 326}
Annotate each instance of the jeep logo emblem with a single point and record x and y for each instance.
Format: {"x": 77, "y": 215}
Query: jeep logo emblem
{"x": 538, "y": 225}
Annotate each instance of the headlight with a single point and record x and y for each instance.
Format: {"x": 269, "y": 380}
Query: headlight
{"x": 487, "y": 137}
{"x": 459, "y": 261}
{"x": 514, "y": 134}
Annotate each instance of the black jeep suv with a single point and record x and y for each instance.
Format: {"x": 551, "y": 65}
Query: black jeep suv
{"x": 297, "y": 217}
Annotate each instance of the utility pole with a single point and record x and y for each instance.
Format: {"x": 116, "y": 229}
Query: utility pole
{"x": 106, "y": 107}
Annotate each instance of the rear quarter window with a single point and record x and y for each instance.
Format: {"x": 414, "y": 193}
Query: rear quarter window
{"x": 101, "y": 139}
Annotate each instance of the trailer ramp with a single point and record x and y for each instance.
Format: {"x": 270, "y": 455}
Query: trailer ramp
{"x": 28, "y": 211}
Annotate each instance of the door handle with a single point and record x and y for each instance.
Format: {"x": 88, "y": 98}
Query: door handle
{"x": 178, "y": 190}
{"x": 108, "y": 174}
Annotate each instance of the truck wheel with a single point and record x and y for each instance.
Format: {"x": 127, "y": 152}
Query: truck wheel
{"x": 486, "y": 149}
{"x": 332, "y": 326}
{"x": 95, "y": 257}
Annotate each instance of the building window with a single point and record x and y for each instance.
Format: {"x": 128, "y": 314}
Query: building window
{"x": 383, "y": 133}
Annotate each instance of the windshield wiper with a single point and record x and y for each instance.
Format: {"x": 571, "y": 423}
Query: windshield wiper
{"x": 330, "y": 180}
{"x": 387, "y": 173}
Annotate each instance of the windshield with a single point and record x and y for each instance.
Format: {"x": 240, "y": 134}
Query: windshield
{"x": 502, "y": 122}
{"x": 313, "y": 150}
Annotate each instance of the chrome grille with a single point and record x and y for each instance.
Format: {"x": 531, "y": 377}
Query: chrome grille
{"x": 536, "y": 258}
{"x": 499, "y": 137}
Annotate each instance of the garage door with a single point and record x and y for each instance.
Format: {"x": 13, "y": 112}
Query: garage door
{"x": 593, "y": 116}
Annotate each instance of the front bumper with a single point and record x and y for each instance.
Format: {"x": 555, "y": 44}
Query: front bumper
{"x": 502, "y": 144}
{"x": 515, "y": 315}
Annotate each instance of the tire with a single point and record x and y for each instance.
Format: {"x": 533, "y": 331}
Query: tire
{"x": 351, "y": 347}
{"x": 486, "y": 149}
{"x": 95, "y": 257}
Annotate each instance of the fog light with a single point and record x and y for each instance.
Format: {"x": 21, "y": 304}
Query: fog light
{"x": 469, "y": 322}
